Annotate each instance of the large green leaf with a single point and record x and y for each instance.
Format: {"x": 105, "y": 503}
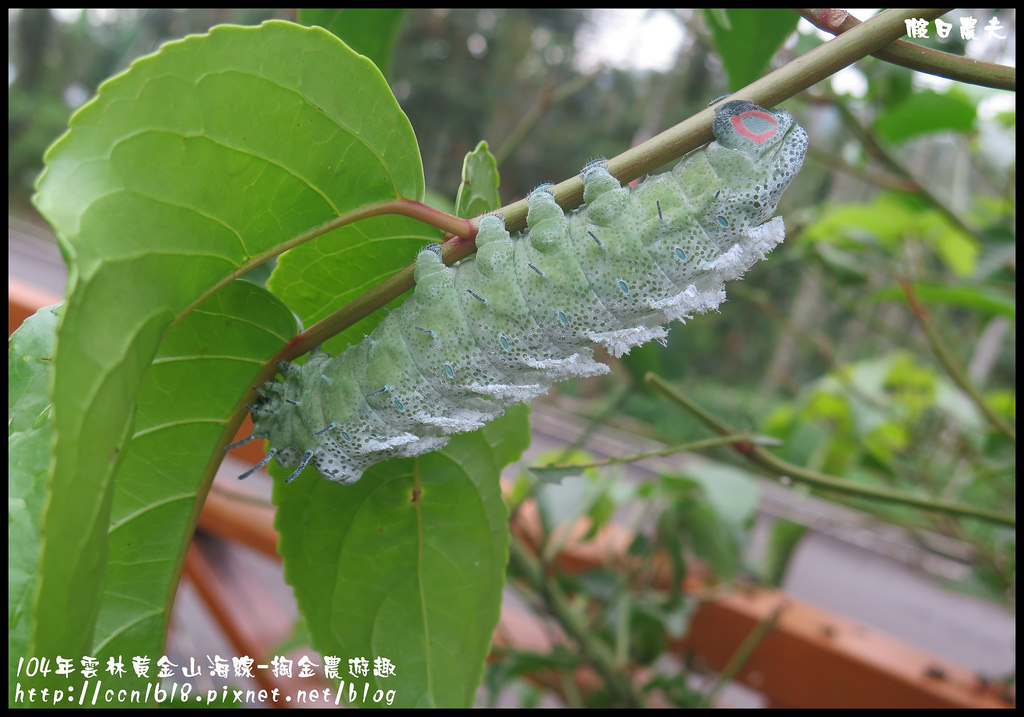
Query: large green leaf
{"x": 407, "y": 564}
{"x": 204, "y": 365}
{"x": 198, "y": 161}
{"x": 747, "y": 38}
{"x": 478, "y": 193}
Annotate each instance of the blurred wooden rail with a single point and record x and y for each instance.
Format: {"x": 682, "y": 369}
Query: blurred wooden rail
{"x": 810, "y": 657}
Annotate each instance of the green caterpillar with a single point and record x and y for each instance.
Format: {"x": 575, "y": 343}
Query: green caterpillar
{"x": 501, "y": 327}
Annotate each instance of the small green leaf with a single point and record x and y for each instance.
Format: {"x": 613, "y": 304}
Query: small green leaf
{"x": 713, "y": 506}
{"x": 747, "y": 39}
{"x": 731, "y": 491}
{"x": 956, "y": 248}
{"x": 1003, "y": 402}
{"x": 29, "y": 363}
{"x": 704, "y": 531}
{"x": 478, "y": 193}
{"x": 510, "y": 435}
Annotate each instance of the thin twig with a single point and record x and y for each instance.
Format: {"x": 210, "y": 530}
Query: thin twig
{"x": 667, "y": 451}
{"x": 950, "y": 365}
{"x": 742, "y": 654}
{"x": 917, "y": 57}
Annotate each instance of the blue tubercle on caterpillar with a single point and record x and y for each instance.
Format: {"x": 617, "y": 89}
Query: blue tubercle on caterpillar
{"x": 501, "y": 327}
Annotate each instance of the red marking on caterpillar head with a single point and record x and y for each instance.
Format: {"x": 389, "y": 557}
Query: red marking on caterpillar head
{"x": 739, "y": 126}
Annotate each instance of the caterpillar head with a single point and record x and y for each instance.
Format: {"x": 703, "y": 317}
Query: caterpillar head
{"x": 754, "y": 131}
{"x": 756, "y": 154}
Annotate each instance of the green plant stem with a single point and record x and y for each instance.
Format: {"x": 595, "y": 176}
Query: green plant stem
{"x": 548, "y": 98}
{"x": 593, "y": 649}
{"x": 784, "y": 469}
{"x": 742, "y": 654}
{"x": 916, "y": 57}
{"x": 667, "y": 451}
{"x": 949, "y": 363}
